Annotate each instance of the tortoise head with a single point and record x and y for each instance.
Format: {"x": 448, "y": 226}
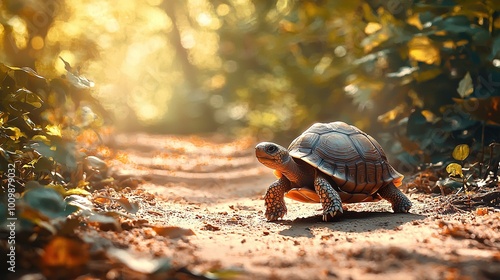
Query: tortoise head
{"x": 272, "y": 155}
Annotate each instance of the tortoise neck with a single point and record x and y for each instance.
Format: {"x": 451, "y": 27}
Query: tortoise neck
{"x": 291, "y": 170}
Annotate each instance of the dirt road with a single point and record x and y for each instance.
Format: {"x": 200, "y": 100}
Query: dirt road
{"x": 215, "y": 188}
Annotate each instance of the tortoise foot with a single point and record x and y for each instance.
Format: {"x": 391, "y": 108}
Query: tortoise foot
{"x": 402, "y": 207}
{"x": 274, "y": 199}
{"x": 400, "y": 203}
{"x": 332, "y": 213}
{"x": 275, "y": 211}
{"x": 329, "y": 198}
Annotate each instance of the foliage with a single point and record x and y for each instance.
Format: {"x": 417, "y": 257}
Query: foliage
{"x": 443, "y": 75}
{"x": 43, "y": 169}
{"x": 426, "y": 70}
{"x": 50, "y": 171}
{"x": 40, "y": 120}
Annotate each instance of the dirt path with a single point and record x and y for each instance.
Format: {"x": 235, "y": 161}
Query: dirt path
{"x": 215, "y": 189}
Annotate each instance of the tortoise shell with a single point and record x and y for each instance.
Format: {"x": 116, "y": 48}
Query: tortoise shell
{"x": 354, "y": 160}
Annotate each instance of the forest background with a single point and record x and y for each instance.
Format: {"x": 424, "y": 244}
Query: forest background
{"x": 421, "y": 76}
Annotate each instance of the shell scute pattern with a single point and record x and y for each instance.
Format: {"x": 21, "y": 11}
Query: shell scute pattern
{"x": 354, "y": 160}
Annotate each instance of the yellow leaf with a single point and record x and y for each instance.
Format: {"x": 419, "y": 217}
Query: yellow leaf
{"x": 15, "y": 134}
{"x": 429, "y": 116}
{"x": 415, "y": 21}
{"x": 3, "y": 118}
{"x": 415, "y": 99}
{"x": 41, "y": 138}
{"x": 422, "y": 49}
{"x": 375, "y": 39}
{"x": 461, "y": 152}
{"x": 77, "y": 191}
{"x": 288, "y": 26}
{"x": 454, "y": 169}
{"x": 392, "y": 114}
{"x": 58, "y": 188}
{"x": 425, "y": 75}
{"x": 64, "y": 253}
{"x": 372, "y": 27}
{"x": 53, "y": 130}
{"x": 81, "y": 184}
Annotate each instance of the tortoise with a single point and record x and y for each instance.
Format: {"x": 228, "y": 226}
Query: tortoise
{"x": 330, "y": 163}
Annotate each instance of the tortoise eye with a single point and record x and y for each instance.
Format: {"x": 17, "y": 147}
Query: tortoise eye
{"x": 271, "y": 149}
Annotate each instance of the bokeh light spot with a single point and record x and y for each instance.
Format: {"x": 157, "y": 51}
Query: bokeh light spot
{"x": 37, "y": 43}
{"x": 223, "y": 9}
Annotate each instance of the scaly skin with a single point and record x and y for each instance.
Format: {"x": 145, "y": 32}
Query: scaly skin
{"x": 328, "y": 197}
{"x": 400, "y": 203}
{"x": 275, "y": 199}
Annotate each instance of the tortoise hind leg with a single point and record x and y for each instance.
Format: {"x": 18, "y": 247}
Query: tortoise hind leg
{"x": 328, "y": 197}
{"x": 400, "y": 203}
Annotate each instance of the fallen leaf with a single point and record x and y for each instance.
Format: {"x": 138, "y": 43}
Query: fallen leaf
{"x": 173, "y": 232}
{"x": 138, "y": 262}
{"x": 131, "y": 207}
{"x": 105, "y": 221}
{"x": 64, "y": 258}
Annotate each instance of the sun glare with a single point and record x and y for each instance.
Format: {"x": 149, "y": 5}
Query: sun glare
{"x": 127, "y": 49}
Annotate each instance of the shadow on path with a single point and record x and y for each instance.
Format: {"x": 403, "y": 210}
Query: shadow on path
{"x": 350, "y": 221}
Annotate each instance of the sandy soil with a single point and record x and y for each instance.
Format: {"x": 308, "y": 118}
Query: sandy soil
{"x": 216, "y": 188}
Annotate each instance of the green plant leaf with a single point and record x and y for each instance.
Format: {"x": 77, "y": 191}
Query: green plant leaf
{"x": 465, "y": 87}
{"x": 47, "y": 201}
{"x": 42, "y": 164}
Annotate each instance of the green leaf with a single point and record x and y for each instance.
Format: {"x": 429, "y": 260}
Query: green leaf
{"x": 495, "y": 48}
{"x": 42, "y": 164}
{"x": 465, "y": 87}
{"x": 47, "y": 201}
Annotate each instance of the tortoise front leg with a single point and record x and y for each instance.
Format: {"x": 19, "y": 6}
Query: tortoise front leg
{"x": 275, "y": 199}
{"x": 328, "y": 197}
{"x": 400, "y": 203}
